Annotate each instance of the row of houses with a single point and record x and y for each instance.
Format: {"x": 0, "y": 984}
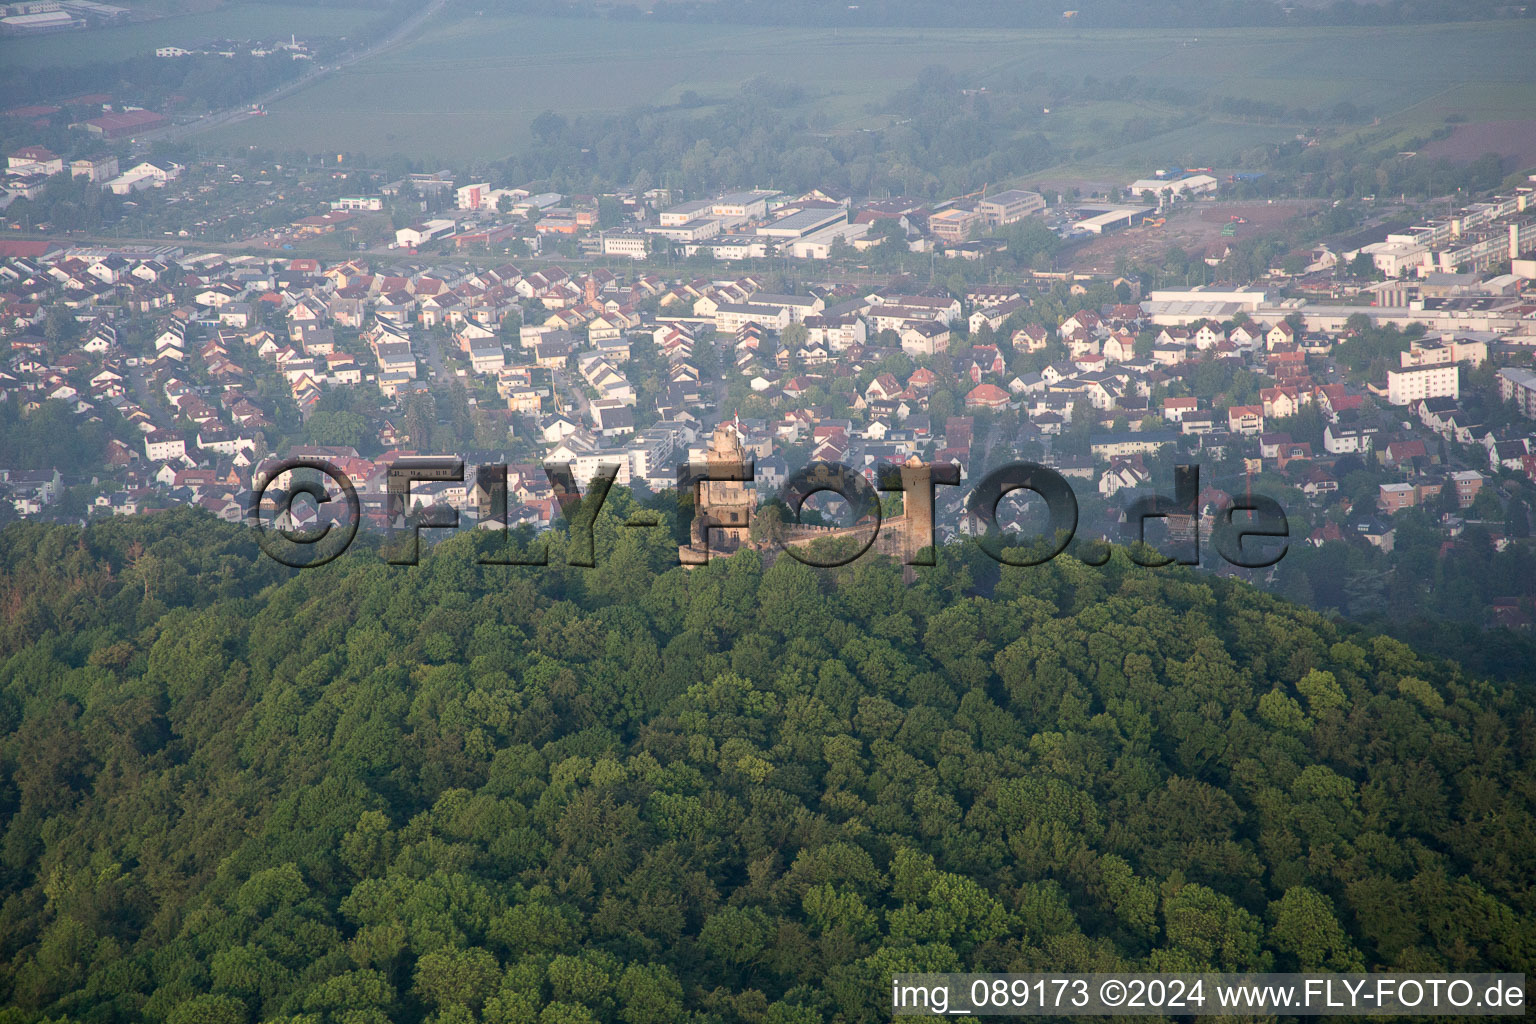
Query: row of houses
{"x": 1131, "y": 377}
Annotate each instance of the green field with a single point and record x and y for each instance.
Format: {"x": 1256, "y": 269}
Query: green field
{"x": 468, "y": 88}
{"x": 242, "y": 21}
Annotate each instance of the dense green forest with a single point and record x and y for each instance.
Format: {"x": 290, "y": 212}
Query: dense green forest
{"x": 233, "y": 792}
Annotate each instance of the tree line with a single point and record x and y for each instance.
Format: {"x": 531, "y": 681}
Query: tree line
{"x": 749, "y": 792}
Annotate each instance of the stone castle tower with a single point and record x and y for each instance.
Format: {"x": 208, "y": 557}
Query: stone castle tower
{"x": 725, "y": 506}
{"x": 725, "y": 510}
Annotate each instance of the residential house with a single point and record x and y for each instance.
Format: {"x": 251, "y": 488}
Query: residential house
{"x": 1344, "y": 440}
{"x": 1245, "y": 419}
{"x": 1122, "y": 474}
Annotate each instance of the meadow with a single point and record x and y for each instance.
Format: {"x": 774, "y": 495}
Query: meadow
{"x": 468, "y": 87}
{"x": 137, "y": 39}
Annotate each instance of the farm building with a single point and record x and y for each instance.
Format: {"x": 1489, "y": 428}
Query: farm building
{"x": 124, "y": 123}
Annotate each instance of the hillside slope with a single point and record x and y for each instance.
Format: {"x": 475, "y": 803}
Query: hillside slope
{"x": 452, "y": 792}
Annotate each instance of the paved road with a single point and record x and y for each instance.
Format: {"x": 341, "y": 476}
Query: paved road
{"x": 435, "y": 356}
{"x": 150, "y": 399}
{"x": 232, "y": 115}
{"x": 578, "y": 405}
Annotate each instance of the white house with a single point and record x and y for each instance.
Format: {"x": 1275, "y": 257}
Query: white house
{"x": 164, "y": 446}
{"x": 418, "y": 234}
{"x": 1344, "y": 440}
{"x": 1122, "y": 474}
{"x": 145, "y": 175}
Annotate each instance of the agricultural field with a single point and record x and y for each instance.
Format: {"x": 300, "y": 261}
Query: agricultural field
{"x": 1513, "y": 140}
{"x": 469, "y": 86}
{"x": 137, "y": 39}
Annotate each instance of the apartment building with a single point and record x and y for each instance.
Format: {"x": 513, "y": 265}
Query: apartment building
{"x": 836, "y": 333}
{"x": 1447, "y": 350}
{"x": 1488, "y": 247}
{"x": 1107, "y": 446}
{"x": 731, "y": 317}
{"x": 97, "y": 169}
{"x": 1415, "y": 383}
{"x": 650, "y": 455}
{"x": 798, "y": 306}
{"x": 1518, "y": 385}
{"x": 472, "y": 197}
{"x": 1467, "y": 483}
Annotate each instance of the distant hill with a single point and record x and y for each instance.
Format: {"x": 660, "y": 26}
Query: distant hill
{"x": 454, "y": 792}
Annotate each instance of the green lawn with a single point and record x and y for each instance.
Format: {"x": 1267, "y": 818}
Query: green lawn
{"x": 468, "y": 88}
{"x": 241, "y": 21}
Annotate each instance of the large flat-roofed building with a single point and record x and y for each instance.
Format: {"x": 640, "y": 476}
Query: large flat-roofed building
{"x": 1193, "y": 185}
{"x": 818, "y": 244}
{"x": 798, "y": 225}
{"x": 1448, "y": 350}
{"x": 695, "y": 230}
{"x": 39, "y": 21}
{"x": 683, "y": 213}
{"x": 731, "y": 317}
{"x": 1413, "y": 383}
{"x": 732, "y": 247}
{"x": 751, "y": 204}
{"x": 1487, "y": 247}
{"x": 623, "y": 243}
{"x": 799, "y": 306}
{"x": 1109, "y": 220}
{"x": 953, "y": 225}
{"x": 124, "y": 123}
{"x": 1012, "y": 205}
{"x": 1396, "y": 255}
{"x": 1246, "y": 299}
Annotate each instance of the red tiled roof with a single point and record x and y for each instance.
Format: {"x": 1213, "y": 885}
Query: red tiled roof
{"x": 24, "y": 248}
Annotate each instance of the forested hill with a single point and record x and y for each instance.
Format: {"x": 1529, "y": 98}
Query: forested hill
{"x": 233, "y": 792}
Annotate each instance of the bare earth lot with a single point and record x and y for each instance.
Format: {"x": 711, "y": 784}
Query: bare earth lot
{"x": 1195, "y": 229}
